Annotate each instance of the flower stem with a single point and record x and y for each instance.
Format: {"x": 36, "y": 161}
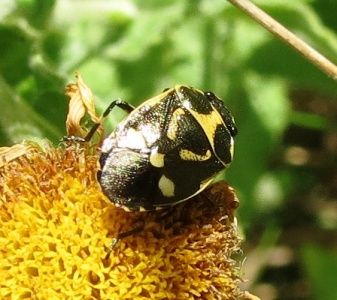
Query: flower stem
{"x": 287, "y": 36}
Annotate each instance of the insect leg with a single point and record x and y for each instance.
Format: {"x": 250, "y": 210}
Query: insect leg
{"x": 122, "y": 235}
{"x": 165, "y": 214}
{"x": 118, "y": 102}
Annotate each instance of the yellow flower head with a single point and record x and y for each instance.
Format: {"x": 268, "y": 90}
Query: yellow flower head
{"x": 57, "y": 226}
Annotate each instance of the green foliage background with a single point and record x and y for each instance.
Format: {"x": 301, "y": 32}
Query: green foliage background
{"x": 135, "y": 49}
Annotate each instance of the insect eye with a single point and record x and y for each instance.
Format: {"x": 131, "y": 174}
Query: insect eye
{"x": 210, "y": 96}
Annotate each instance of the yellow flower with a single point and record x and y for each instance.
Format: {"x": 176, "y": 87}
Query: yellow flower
{"x": 57, "y": 226}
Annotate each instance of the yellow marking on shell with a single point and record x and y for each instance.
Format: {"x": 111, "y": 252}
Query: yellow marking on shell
{"x": 205, "y": 183}
{"x": 172, "y": 129}
{"x": 127, "y": 209}
{"x": 231, "y": 150}
{"x": 157, "y": 159}
{"x": 189, "y": 155}
{"x": 166, "y": 186}
{"x": 209, "y": 123}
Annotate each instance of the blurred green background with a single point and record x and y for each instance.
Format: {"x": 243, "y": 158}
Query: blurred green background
{"x": 285, "y": 166}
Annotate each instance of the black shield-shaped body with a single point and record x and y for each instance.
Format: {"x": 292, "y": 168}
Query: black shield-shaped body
{"x": 167, "y": 149}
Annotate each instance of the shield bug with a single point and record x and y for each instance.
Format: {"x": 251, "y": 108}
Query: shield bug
{"x": 166, "y": 150}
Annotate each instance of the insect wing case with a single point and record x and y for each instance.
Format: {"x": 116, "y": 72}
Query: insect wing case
{"x": 165, "y": 151}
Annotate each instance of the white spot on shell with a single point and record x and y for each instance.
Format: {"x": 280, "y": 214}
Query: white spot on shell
{"x": 133, "y": 139}
{"x": 166, "y": 186}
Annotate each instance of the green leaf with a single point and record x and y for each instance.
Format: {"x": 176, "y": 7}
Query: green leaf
{"x": 15, "y": 50}
{"x": 19, "y": 121}
{"x": 320, "y": 266}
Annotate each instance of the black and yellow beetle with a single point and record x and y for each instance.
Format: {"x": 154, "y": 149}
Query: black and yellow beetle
{"x": 166, "y": 150}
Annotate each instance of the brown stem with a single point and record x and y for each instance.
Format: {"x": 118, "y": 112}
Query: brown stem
{"x": 287, "y": 36}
